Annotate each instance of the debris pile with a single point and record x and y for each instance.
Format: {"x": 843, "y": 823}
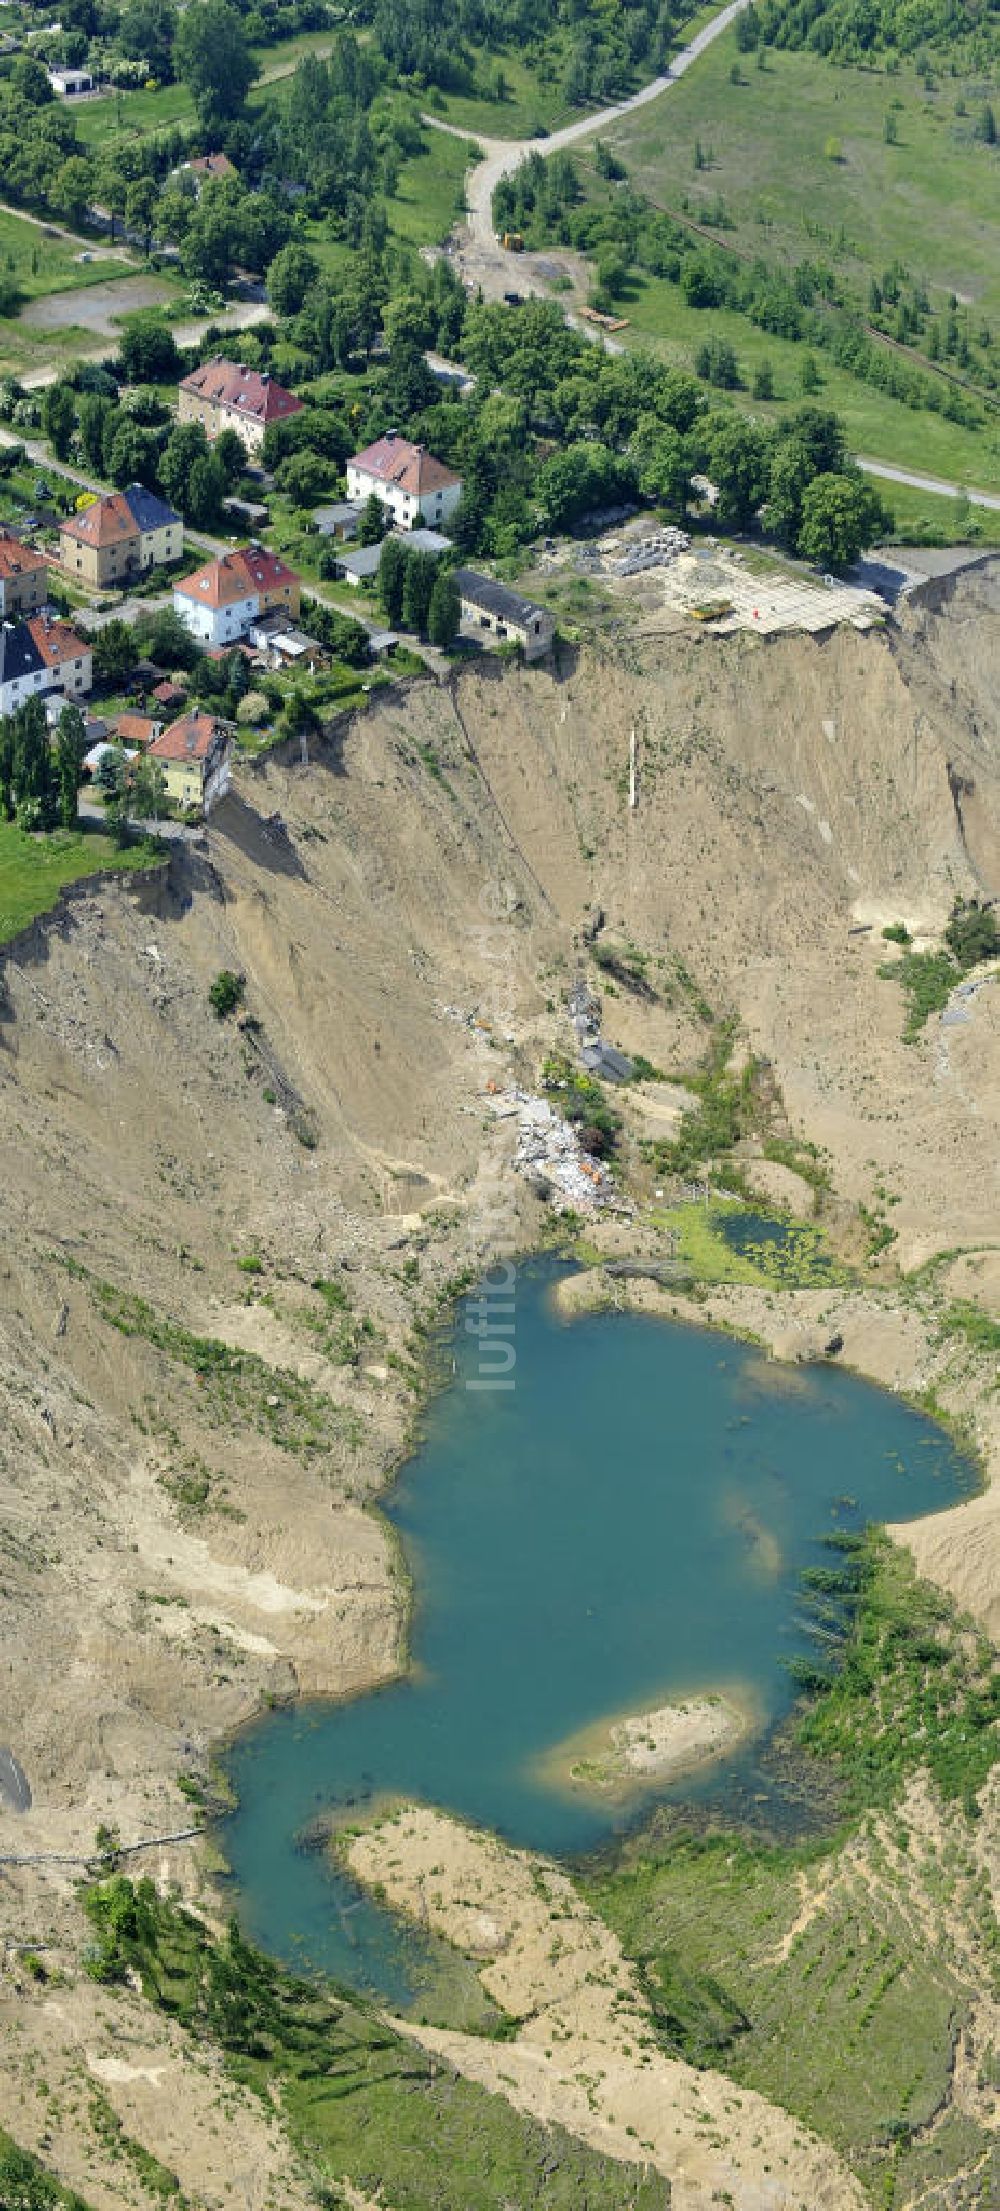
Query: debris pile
{"x": 549, "y": 1152}
{"x": 599, "y": 1058}
{"x": 656, "y": 551}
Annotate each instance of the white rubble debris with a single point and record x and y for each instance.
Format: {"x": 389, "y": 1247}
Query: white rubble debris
{"x": 548, "y": 1145}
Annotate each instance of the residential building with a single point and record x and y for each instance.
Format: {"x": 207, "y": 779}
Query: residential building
{"x": 277, "y": 586}
{"x": 24, "y": 577}
{"x": 137, "y": 731}
{"x": 40, "y": 655}
{"x": 223, "y": 395}
{"x": 487, "y": 605}
{"x": 69, "y": 83}
{"x": 219, "y": 602}
{"x": 413, "y": 486}
{"x": 340, "y": 521}
{"x": 169, "y": 695}
{"x": 361, "y": 565}
{"x": 194, "y": 754}
{"x": 206, "y": 168}
{"x": 119, "y": 537}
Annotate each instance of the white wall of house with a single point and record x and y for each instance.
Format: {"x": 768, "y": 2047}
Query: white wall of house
{"x": 216, "y": 625}
{"x": 217, "y": 779}
{"x": 74, "y": 678}
{"x": 406, "y": 510}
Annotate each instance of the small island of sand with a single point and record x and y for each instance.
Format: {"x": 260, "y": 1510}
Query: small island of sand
{"x": 623, "y": 1756}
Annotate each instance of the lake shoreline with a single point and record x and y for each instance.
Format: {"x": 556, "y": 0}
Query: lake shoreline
{"x": 624, "y": 1757}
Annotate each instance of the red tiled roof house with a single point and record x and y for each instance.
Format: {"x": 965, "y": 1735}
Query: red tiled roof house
{"x": 194, "y": 754}
{"x": 223, "y": 395}
{"x": 24, "y": 577}
{"x": 218, "y": 602}
{"x": 411, "y": 484}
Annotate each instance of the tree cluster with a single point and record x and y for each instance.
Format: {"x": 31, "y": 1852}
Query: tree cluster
{"x": 39, "y": 781}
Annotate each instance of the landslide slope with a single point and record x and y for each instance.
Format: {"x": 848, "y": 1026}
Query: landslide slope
{"x": 222, "y": 1245}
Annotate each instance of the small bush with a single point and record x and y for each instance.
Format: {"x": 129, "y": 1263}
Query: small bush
{"x": 226, "y": 992}
{"x": 252, "y": 710}
{"x": 972, "y": 933}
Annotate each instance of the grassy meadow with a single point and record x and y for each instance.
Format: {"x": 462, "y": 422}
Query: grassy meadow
{"x": 797, "y": 154}
{"x": 34, "y": 869}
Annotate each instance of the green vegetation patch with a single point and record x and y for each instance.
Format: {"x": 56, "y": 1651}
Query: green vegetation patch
{"x": 236, "y": 1385}
{"x": 837, "y": 1987}
{"x": 582, "y": 1100}
{"x": 26, "y": 2186}
{"x": 918, "y": 1687}
{"x": 928, "y": 978}
{"x": 845, "y": 2017}
{"x": 35, "y": 868}
{"x": 362, "y": 2103}
{"x": 774, "y": 1254}
{"x": 969, "y": 1322}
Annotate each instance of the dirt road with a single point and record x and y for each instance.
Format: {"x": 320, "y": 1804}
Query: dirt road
{"x": 485, "y": 265}
{"x": 481, "y": 257}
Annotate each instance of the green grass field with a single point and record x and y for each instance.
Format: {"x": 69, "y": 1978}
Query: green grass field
{"x": 33, "y": 870}
{"x": 534, "y": 102}
{"x": 42, "y": 261}
{"x": 930, "y": 201}
{"x": 431, "y": 192}
{"x": 876, "y": 424}
{"x": 927, "y": 518}
{"x": 794, "y": 165}
{"x": 123, "y": 115}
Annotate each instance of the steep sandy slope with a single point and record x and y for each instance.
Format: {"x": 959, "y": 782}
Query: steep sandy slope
{"x": 180, "y": 1536}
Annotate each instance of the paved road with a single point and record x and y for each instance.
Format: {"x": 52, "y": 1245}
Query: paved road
{"x": 938, "y": 484}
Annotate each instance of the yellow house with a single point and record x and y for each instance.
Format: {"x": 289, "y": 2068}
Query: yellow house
{"x": 118, "y": 537}
{"x": 194, "y": 755}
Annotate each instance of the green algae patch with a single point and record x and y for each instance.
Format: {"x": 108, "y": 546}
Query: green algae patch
{"x": 721, "y": 1242}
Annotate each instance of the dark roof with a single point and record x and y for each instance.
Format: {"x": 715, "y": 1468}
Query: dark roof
{"x": 605, "y": 1059}
{"x": 494, "y": 598}
{"x": 147, "y": 509}
{"x": 19, "y": 655}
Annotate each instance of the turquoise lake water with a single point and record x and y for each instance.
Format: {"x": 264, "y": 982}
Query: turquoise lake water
{"x": 628, "y": 1522}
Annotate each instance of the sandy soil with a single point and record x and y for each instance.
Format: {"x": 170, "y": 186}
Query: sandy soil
{"x": 584, "y": 2052}
{"x": 620, "y": 1757}
{"x": 410, "y": 943}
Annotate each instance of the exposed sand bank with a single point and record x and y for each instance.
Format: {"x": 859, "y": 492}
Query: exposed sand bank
{"x": 624, "y": 1756}
{"x": 585, "y": 2051}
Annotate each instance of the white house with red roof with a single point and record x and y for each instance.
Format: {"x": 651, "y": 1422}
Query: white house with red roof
{"x": 414, "y": 487}
{"x": 224, "y": 395}
{"x": 41, "y": 655}
{"x": 219, "y": 602}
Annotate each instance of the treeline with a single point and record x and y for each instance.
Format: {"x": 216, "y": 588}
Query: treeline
{"x": 591, "y": 50}
{"x": 809, "y": 305}
{"x": 860, "y": 30}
